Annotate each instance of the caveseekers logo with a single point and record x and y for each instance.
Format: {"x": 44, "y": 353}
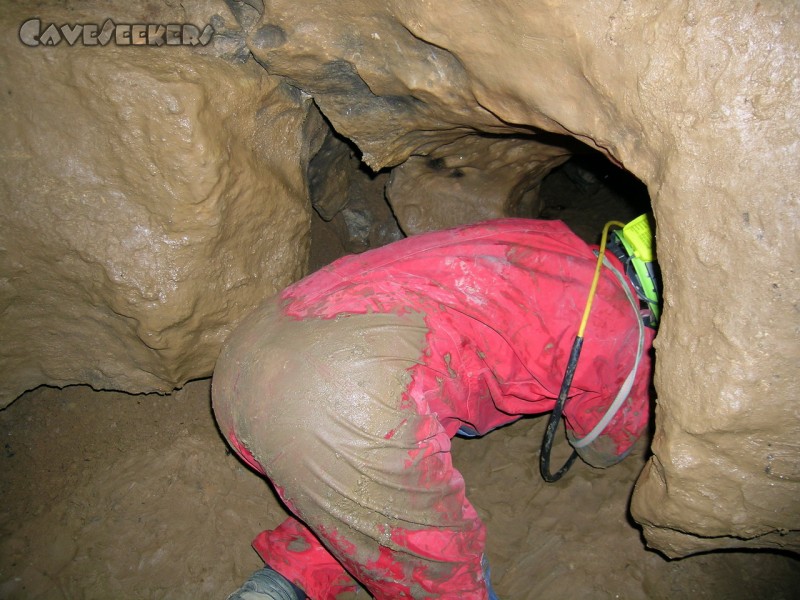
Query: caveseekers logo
{"x": 91, "y": 34}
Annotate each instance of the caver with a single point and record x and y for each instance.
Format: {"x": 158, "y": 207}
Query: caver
{"x": 346, "y": 389}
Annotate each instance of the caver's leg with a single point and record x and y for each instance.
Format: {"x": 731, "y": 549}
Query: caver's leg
{"x": 323, "y": 408}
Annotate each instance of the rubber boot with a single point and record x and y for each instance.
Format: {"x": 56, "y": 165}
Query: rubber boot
{"x": 268, "y": 584}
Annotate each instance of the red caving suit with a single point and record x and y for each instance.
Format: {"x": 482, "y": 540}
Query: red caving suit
{"x": 346, "y": 389}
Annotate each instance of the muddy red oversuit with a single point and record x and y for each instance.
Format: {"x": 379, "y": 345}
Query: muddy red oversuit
{"x": 346, "y": 389}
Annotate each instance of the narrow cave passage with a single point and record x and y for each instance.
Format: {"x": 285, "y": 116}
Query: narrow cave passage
{"x": 352, "y": 212}
{"x": 589, "y": 190}
{"x": 153, "y": 196}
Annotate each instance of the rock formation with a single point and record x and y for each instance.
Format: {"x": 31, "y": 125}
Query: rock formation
{"x": 350, "y": 197}
{"x": 471, "y": 179}
{"x": 149, "y": 198}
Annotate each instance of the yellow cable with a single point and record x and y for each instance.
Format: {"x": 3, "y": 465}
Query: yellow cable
{"x": 596, "y": 278}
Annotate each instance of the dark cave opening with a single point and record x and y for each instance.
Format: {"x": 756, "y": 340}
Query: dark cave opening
{"x": 351, "y": 212}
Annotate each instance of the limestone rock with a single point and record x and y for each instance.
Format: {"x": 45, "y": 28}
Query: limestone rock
{"x": 379, "y": 84}
{"x": 367, "y": 221}
{"x": 472, "y": 179}
{"x": 349, "y": 199}
{"x": 700, "y": 101}
{"x": 330, "y": 175}
{"x": 150, "y": 198}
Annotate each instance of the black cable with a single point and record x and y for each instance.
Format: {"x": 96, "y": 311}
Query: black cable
{"x": 555, "y": 418}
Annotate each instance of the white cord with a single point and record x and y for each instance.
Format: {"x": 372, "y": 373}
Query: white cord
{"x": 622, "y": 395}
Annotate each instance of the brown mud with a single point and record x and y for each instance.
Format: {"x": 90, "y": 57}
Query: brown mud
{"x": 107, "y": 495}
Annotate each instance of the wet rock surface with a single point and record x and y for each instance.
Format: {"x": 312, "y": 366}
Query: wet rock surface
{"x": 472, "y": 179}
{"x": 129, "y": 251}
{"x": 151, "y": 197}
{"x": 349, "y": 199}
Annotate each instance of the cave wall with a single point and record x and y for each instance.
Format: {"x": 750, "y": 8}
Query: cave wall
{"x": 150, "y": 198}
{"x": 699, "y": 100}
{"x": 472, "y": 179}
{"x": 117, "y": 251}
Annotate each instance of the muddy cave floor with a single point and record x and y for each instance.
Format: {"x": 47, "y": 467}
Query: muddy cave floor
{"x": 111, "y": 496}
{"x": 106, "y": 495}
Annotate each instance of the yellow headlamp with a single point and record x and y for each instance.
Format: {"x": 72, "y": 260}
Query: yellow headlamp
{"x": 633, "y": 246}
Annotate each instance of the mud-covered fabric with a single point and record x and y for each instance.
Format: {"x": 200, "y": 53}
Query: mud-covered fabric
{"x": 347, "y": 388}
